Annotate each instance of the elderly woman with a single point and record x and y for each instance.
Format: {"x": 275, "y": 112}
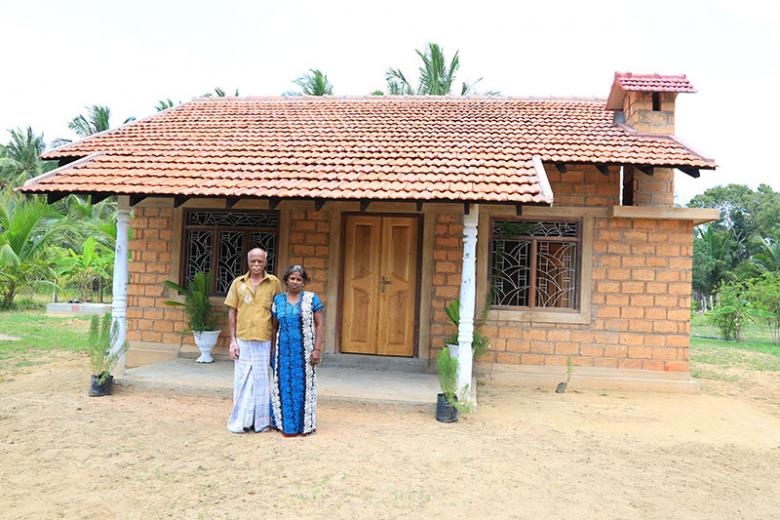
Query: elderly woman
{"x": 297, "y": 323}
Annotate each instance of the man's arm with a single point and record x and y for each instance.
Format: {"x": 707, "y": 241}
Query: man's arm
{"x": 234, "y": 350}
{"x": 274, "y": 332}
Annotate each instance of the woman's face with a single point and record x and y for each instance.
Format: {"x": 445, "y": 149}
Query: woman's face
{"x": 295, "y": 282}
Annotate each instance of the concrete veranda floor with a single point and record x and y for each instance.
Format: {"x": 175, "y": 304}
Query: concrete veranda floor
{"x": 395, "y": 384}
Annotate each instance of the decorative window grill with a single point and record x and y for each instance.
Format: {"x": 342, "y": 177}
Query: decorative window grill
{"x": 217, "y": 241}
{"x": 535, "y": 264}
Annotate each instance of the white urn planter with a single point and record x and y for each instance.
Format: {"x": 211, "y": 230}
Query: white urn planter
{"x": 453, "y": 350}
{"x": 205, "y": 340}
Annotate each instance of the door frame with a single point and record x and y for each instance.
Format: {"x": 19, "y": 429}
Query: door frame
{"x": 418, "y": 283}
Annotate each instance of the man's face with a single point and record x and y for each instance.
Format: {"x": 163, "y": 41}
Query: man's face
{"x": 256, "y": 262}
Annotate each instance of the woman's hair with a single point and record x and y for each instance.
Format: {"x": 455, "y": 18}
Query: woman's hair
{"x": 296, "y": 269}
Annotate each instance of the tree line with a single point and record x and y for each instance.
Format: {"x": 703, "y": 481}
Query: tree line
{"x": 736, "y": 260}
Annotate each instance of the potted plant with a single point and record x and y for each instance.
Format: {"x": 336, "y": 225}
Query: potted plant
{"x": 479, "y": 343}
{"x": 101, "y": 359}
{"x": 446, "y": 402}
{"x": 561, "y": 388}
{"x": 197, "y": 306}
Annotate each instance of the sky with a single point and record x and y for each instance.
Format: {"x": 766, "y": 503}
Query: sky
{"x": 59, "y": 57}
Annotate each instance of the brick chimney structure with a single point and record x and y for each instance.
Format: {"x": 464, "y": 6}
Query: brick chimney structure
{"x": 645, "y": 103}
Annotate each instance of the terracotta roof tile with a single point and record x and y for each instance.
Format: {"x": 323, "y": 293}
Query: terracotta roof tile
{"x": 630, "y": 82}
{"x": 653, "y": 82}
{"x": 427, "y": 148}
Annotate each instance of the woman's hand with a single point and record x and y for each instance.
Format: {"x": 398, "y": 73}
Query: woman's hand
{"x": 315, "y": 357}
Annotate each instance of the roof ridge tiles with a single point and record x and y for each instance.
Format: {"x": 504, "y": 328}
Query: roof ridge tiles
{"x": 392, "y": 98}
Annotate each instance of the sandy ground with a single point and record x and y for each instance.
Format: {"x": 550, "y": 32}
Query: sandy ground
{"x": 524, "y": 454}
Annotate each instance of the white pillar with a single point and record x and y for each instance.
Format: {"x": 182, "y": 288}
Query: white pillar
{"x": 468, "y": 296}
{"x": 119, "y": 295}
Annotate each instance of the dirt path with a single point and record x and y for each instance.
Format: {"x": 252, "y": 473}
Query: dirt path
{"x": 524, "y": 454}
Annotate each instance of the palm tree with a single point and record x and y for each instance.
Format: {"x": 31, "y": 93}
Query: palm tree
{"x": 767, "y": 259}
{"x": 315, "y": 83}
{"x": 98, "y": 119}
{"x": 20, "y": 158}
{"x": 219, "y": 93}
{"x": 26, "y": 228}
{"x": 164, "y": 104}
{"x": 437, "y": 77}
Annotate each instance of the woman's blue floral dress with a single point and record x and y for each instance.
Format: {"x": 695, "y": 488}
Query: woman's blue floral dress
{"x": 294, "y": 386}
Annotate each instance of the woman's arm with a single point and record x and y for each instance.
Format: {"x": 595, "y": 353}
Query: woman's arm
{"x": 318, "y": 337}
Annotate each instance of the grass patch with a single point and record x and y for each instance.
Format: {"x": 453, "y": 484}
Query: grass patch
{"x": 40, "y": 333}
{"x": 708, "y": 356}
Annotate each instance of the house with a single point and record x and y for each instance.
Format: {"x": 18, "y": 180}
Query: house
{"x": 553, "y": 220}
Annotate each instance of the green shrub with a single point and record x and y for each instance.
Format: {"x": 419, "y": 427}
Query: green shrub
{"x": 448, "y": 374}
{"x": 764, "y": 293}
{"x": 733, "y": 310}
{"x": 197, "y": 305}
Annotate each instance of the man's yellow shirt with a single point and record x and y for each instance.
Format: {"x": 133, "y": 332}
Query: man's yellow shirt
{"x": 253, "y": 322}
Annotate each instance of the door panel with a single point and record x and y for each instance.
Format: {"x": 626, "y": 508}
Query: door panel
{"x": 380, "y": 285}
{"x": 399, "y": 286}
{"x": 361, "y": 285}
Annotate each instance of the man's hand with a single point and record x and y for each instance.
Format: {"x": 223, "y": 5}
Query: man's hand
{"x": 315, "y": 357}
{"x": 234, "y": 350}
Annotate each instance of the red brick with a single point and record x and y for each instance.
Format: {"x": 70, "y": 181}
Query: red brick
{"x": 640, "y": 325}
{"x": 618, "y": 299}
{"x": 653, "y": 364}
{"x": 615, "y": 351}
{"x": 608, "y": 311}
{"x": 508, "y": 358}
{"x": 531, "y": 359}
{"x": 583, "y": 336}
{"x": 518, "y": 345}
{"x": 664, "y": 353}
{"x": 631, "y": 339}
{"x": 542, "y": 347}
{"x": 633, "y": 287}
{"x": 568, "y": 348}
{"x": 559, "y": 335}
{"x": 677, "y": 366}
{"x": 678, "y": 341}
{"x": 630, "y": 363}
{"x": 632, "y": 312}
{"x": 664, "y": 326}
{"x": 679, "y": 288}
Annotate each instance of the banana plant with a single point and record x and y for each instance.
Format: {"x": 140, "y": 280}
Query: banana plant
{"x": 87, "y": 266}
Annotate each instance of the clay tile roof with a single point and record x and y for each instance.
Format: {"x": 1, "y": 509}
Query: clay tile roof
{"x": 653, "y": 82}
{"x": 630, "y": 82}
{"x": 389, "y": 148}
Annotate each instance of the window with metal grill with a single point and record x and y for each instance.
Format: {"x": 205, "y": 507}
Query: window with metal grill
{"x": 535, "y": 263}
{"x": 217, "y": 241}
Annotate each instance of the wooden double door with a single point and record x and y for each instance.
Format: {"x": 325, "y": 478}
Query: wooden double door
{"x": 380, "y": 284}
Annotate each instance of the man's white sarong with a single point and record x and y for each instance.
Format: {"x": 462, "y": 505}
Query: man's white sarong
{"x": 251, "y": 392}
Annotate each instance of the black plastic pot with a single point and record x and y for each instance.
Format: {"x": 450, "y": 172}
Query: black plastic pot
{"x": 445, "y": 412}
{"x": 98, "y": 389}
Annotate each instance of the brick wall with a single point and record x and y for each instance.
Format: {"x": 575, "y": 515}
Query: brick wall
{"x": 447, "y": 264}
{"x": 654, "y": 190}
{"x": 584, "y": 186}
{"x": 640, "y": 305}
{"x": 309, "y": 245}
{"x": 151, "y": 256}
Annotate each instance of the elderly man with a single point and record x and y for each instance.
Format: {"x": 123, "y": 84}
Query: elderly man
{"x": 249, "y": 320}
